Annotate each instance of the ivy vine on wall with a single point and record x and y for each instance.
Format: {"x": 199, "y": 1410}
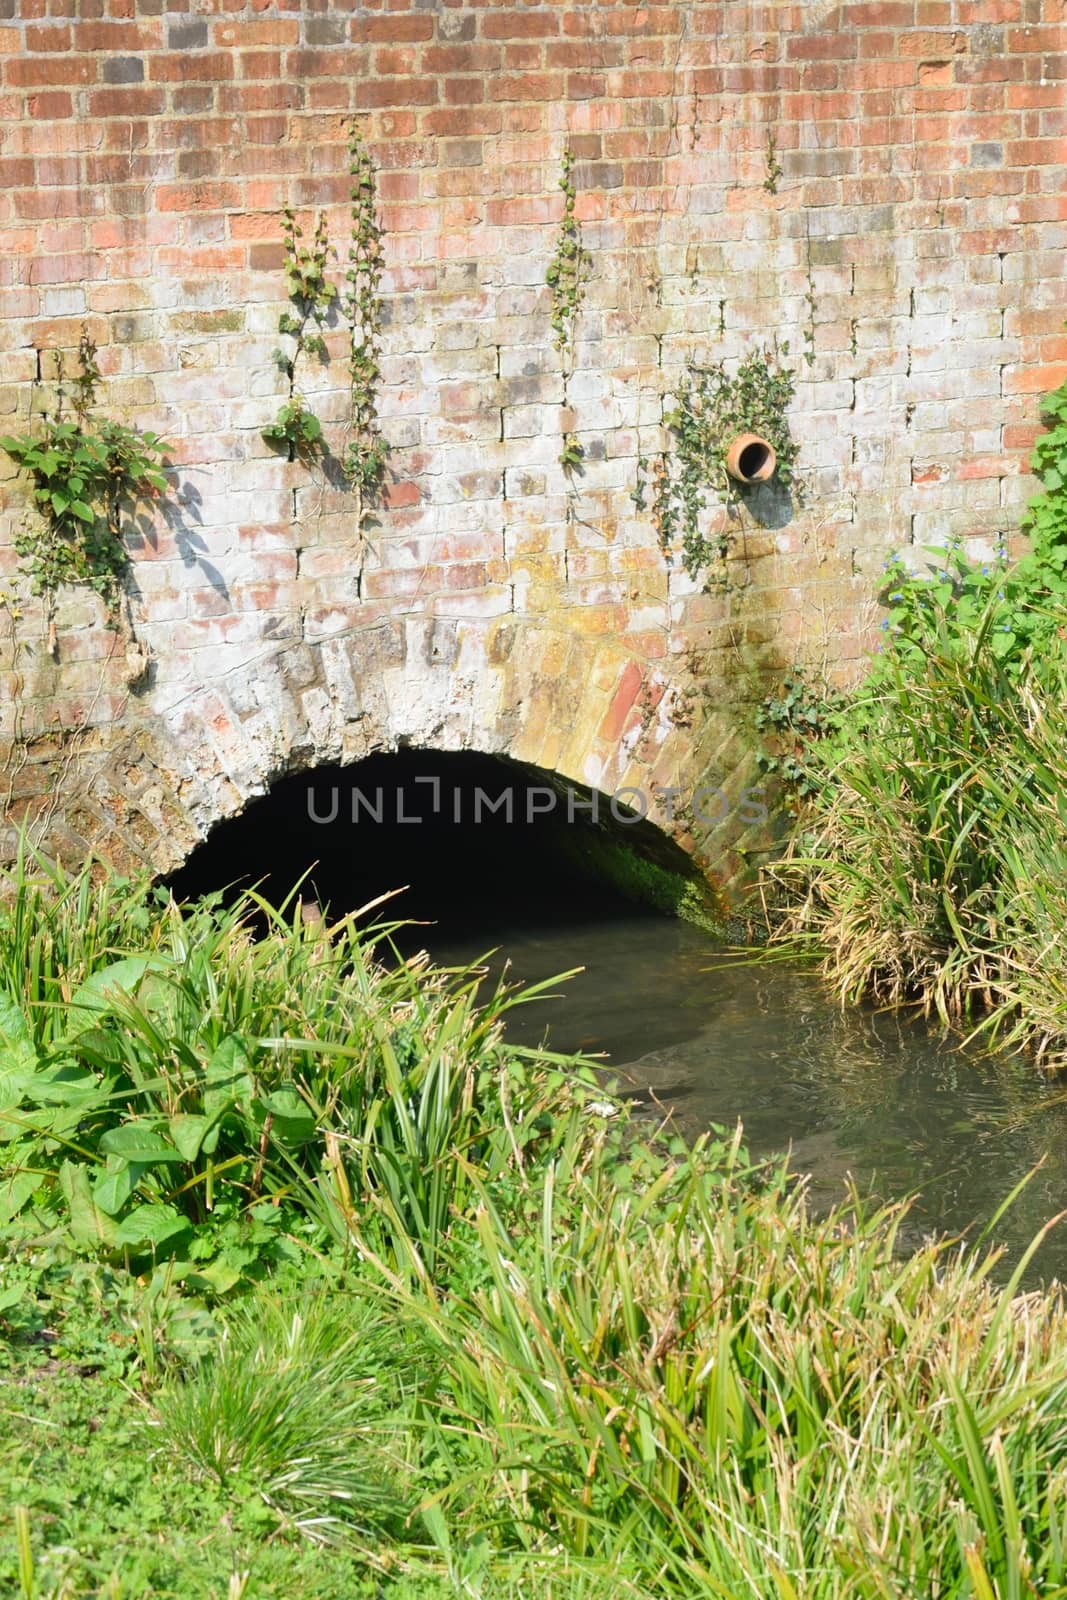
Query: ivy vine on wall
{"x": 712, "y": 407}
{"x": 567, "y": 275}
{"x": 367, "y": 451}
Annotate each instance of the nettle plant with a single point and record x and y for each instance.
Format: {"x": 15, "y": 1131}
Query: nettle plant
{"x": 1014, "y": 609}
{"x": 712, "y": 407}
{"x": 567, "y": 275}
{"x": 311, "y": 296}
{"x": 367, "y": 451}
{"x": 86, "y": 473}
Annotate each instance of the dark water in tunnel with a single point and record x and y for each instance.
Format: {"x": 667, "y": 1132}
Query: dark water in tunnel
{"x": 877, "y": 1096}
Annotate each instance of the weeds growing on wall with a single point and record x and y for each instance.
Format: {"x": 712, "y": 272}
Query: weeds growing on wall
{"x": 713, "y": 406}
{"x": 793, "y": 718}
{"x": 312, "y": 300}
{"x": 367, "y": 451}
{"x": 311, "y": 296}
{"x": 567, "y": 275}
{"x": 772, "y": 166}
{"x": 87, "y": 473}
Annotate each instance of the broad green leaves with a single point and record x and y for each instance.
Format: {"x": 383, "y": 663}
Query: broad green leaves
{"x": 84, "y": 476}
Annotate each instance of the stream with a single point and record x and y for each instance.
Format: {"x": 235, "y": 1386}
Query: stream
{"x": 875, "y": 1095}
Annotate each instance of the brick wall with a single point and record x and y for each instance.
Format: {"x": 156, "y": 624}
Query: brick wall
{"x": 913, "y": 245}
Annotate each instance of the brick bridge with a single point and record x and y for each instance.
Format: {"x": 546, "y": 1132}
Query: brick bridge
{"x": 881, "y": 185}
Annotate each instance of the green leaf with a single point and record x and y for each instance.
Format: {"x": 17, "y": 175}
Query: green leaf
{"x": 88, "y": 1224}
{"x": 66, "y": 1083}
{"x": 83, "y": 512}
{"x": 292, "y": 1118}
{"x": 13, "y": 1296}
{"x": 155, "y": 1224}
{"x": 112, "y": 1190}
{"x": 190, "y": 1134}
{"x": 18, "y": 1058}
{"x": 228, "y": 1077}
{"x": 217, "y": 1277}
{"x": 15, "y": 1189}
{"x": 135, "y": 1142}
{"x": 96, "y": 994}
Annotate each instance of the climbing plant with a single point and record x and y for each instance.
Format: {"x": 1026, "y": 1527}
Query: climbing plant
{"x": 792, "y": 719}
{"x": 711, "y": 408}
{"x": 567, "y": 275}
{"x": 367, "y": 451}
{"x": 311, "y": 294}
{"x": 773, "y": 166}
{"x": 85, "y": 472}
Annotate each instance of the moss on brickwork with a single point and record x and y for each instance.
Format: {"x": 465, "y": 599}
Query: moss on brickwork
{"x": 677, "y": 893}
{"x": 644, "y": 866}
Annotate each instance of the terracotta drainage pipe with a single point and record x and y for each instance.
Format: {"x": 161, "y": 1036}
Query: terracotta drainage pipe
{"x": 750, "y": 459}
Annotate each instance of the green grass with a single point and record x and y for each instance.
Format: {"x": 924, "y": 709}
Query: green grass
{"x": 427, "y": 1323}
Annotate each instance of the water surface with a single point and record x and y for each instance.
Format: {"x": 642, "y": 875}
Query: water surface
{"x": 876, "y": 1095}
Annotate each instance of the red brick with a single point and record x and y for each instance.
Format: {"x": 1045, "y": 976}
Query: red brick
{"x": 526, "y": 24}
{"x": 134, "y": 102}
{"x": 260, "y": 64}
{"x": 248, "y": 35}
{"x": 1034, "y": 380}
{"x": 107, "y": 36}
{"x": 32, "y": 72}
{"x": 821, "y": 47}
{"x": 192, "y": 66}
{"x": 464, "y": 91}
{"x": 65, "y": 269}
{"x": 44, "y": 203}
{"x": 53, "y": 37}
{"x": 393, "y": 29}
{"x": 456, "y": 58}
{"x": 50, "y": 107}
{"x": 197, "y": 197}
{"x": 396, "y": 92}
{"x": 401, "y": 494}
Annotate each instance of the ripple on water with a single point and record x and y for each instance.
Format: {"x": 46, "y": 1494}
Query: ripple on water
{"x": 875, "y": 1096}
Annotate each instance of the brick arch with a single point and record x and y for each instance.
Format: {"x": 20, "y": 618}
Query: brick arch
{"x": 584, "y": 708}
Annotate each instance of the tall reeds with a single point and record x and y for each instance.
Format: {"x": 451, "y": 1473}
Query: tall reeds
{"x": 933, "y": 865}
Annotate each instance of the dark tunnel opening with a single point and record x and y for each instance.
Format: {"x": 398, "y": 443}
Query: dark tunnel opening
{"x": 476, "y": 843}
{"x": 500, "y": 864}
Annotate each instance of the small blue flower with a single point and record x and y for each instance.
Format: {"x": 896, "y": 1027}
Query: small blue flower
{"x": 985, "y": 572}
{"x": 898, "y": 596}
{"x": 885, "y": 624}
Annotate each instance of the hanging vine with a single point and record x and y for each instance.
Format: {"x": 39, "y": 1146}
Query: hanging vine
{"x": 712, "y": 408}
{"x": 567, "y": 274}
{"x": 311, "y": 295}
{"x": 367, "y": 451}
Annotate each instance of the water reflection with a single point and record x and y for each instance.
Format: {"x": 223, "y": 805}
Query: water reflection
{"x": 871, "y": 1095}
